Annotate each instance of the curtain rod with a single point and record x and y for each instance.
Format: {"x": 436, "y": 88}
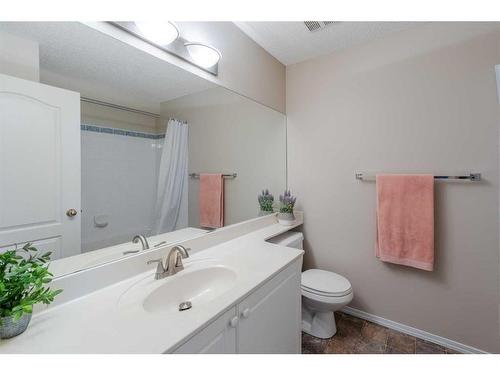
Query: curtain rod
{"x": 173, "y": 118}
{"x": 120, "y": 107}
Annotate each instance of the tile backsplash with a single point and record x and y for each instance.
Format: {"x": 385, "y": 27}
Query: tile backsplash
{"x": 119, "y": 182}
{"x": 127, "y": 133}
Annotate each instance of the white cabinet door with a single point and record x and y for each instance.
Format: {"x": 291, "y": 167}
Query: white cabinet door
{"x": 39, "y": 165}
{"x": 270, "y": 318}
{"x": 219, "y": 337}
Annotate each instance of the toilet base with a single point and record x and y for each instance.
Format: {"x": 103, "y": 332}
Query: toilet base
{"x": 319, "y": 324}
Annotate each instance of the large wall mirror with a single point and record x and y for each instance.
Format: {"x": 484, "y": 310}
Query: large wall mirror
{"x": 144, "y": 135}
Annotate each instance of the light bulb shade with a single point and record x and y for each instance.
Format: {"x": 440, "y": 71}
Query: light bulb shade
{"x": 202, "y": 54}
{"x": 158, "y": 32}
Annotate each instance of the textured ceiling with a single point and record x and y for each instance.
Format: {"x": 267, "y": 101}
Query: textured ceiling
{"x": 76, "y": 57}
{"x": 292, "y": 42}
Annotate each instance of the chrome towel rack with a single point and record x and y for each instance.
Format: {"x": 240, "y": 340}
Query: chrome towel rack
{"x": 475, "y": 177}
{"x": 197, "y": 175}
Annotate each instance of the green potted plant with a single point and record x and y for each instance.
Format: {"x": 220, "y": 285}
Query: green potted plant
{"x": 266, "y": 201}
{"x": 287, "y": 202}
{"x": 24, "y": 276}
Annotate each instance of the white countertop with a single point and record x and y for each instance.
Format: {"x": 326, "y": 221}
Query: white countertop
{"x": 101, "y": 323}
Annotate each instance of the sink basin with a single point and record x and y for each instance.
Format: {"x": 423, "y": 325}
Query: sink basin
{"x": 197, "y": 286}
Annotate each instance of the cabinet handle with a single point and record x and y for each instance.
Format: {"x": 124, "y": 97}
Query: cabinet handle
{"x": 234, "y": 321}
{"x": 245, "y": 313}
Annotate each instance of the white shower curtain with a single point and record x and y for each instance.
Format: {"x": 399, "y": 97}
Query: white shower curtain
{"x": 172, "y": 178}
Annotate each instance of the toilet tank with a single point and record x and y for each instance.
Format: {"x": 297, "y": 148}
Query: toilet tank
{"x": 289, "y": 239}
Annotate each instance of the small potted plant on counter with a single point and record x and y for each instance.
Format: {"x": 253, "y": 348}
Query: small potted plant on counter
{"x": 287, "y": 202}
{"x": 23, "y": 284}
{"x": 266, "y": 201}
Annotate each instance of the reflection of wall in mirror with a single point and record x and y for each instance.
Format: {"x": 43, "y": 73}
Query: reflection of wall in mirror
{"x": 230, "y": 133}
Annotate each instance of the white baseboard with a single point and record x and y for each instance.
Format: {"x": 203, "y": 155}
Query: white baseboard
{"x": 459, "y": 347}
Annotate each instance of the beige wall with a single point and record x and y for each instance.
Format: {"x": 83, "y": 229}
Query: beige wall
{"x": 245, "y": 67}
{"x": 230, "y": 133}
{"x": 19, "y": 57}
{"x": 421, "y": 101}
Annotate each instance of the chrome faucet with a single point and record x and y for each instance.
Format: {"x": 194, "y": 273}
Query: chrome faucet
{"x": 144, "y": 241}
{"x": 136, "y": 239}
{"x": 173, "y": 261}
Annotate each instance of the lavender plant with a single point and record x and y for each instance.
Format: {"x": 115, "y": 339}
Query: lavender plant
{"x": 266, "y": 200}
{"x": 287, "y": 201}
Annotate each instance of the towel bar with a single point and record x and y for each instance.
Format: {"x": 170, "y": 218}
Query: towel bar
{"x": 197, "y": 175}
{"x": 471, "y": 177}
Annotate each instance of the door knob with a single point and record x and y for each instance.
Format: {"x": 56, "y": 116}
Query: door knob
{"x": 245, "y": 313}
{"x": 234, "y": 322}
{"x": 71, "y": 212}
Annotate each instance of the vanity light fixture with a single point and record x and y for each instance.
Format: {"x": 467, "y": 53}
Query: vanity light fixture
{"x": 159, "y": 32}
{"x": 166, "y": 36}
{"x": 203, "y": 54}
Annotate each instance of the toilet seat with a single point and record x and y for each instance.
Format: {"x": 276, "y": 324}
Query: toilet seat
{"x": 328, "y": 300}
{"x": 325, "y": 283}
{"x": 323, "y": 294}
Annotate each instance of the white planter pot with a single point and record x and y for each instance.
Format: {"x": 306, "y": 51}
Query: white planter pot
{"x": 286, "y": 218}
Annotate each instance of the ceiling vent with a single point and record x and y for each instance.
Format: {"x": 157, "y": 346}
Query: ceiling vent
{"x": 317, "y": 25}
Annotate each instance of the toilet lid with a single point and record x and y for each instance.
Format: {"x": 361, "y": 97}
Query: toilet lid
{"x": 325, "y": 283}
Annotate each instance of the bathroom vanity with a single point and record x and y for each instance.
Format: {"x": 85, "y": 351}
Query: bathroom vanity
{"x": 244, "y": 292}
{"x": 266, "y": 321}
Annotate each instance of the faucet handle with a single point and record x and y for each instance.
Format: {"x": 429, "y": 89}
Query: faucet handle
{"x": 160, "y": 268}
{"x": 160, "y": 244}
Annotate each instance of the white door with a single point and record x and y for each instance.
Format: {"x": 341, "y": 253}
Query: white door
{"x": 39, "y": 166}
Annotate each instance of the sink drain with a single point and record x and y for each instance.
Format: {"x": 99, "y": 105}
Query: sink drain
{"x": 183, "y": 306}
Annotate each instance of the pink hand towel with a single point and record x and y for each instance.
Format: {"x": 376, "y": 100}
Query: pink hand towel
{"x": 211, "y": 200}
{"x": 405, "y": 220}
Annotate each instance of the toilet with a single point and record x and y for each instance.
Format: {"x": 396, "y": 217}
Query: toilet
{"x": 323, "y": 293}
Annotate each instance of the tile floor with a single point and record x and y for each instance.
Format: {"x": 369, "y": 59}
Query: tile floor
{"x": 358, "y": 336}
